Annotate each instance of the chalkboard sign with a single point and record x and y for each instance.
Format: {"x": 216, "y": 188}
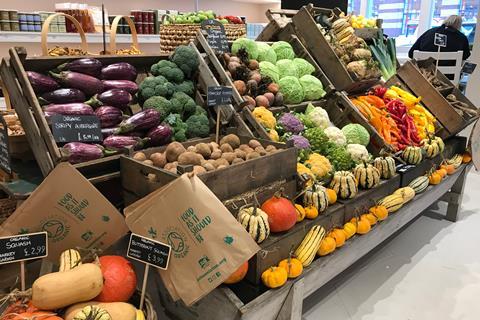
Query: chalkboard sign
{"x": 148, "y": 251}
{"x": 402, "y": 168}
{"x": 5, "y": 163}
{"x": 468, "y": 67}
{"x": 440, "y": 40}
{"x": 76, "y": 128}
{"x": 23, "y": 247}
{"x": 219, "y": 95}
{"x": 216, "y": 37}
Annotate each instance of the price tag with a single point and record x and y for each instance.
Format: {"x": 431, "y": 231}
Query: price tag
{"x": 468, "y": 67}
{"x": 5, "y": 163}
{"x": 402, "y": 168}
{"x": 23, "y": 247}
{"x": 216, "y": 37}
{"x": 219, "y": 95}
{"x": 149, "y": 251}
{"x": 440, "y": 40}
{"x": 76, "y": 128}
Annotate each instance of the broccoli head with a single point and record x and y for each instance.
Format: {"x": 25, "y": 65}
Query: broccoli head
{"x": 201, "y": 110}
{"x": 179, "y": 127}
{"x": 198, "y": 126}
{"x": 185, "y": 87}
{"x": 158, "y": 103}
{"x": 183, "y": 104}
{"x": 186, "y": 59}
{"x": 155, "y": 86}
{"x": 167, "y": 69}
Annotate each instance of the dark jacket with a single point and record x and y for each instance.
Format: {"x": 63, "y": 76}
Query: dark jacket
{"x": 455, "y": 41}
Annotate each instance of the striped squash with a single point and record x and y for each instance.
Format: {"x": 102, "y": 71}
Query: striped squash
{"x": 440, "y": 143}
{"x": 392, "y": 202}
{"x": 367, "y": 175}
{"x": 92, "y": 313}
{"x": 419, "y": 184}
{"x": 316, "y": 196}
{"x": 412, "y": 155}
{"x": 430, "y": 147}
{"x": 308, "y": 248}
{"x": 386, "y": 166}
{"x": 344, "y": 184}
{"x": 255, "y": 221}
{"x": 69, "y": 259}
{"x": 407, "y": 193}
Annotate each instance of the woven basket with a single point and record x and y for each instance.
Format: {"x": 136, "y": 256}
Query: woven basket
{"x": 7, "y": 207}
{"x": 174, "y": 35}
{"x": 148, "y": 308}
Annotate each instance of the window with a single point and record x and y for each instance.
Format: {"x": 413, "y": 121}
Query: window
{"x": 468, "y": 9}
{"x": 354, "y": 6}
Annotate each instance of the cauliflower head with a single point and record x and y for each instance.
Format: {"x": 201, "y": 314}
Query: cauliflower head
{"x": 335, "y": 135}
{"x": 358, "y": 152}
{"x": 315, "y": 117}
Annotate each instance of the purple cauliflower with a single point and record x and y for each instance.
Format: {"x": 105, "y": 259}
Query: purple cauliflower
{"x": 299, "y": 142}
{"x": 288, "y": 123}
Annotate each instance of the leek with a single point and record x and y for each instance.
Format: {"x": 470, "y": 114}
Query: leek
{"x": 385, "y": 54}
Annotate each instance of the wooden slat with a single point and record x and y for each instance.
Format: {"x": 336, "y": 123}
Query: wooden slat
{"x": 32, "y": 131}
{"x": 35, "y": 106}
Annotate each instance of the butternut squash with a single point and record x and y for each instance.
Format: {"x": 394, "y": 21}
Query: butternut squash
{"x": 117, "y": 310}
{"x": 60, "y": 289}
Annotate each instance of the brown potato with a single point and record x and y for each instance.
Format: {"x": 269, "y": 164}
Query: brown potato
{"x": 254, "y": 143}
{"x": 158, "y": 159}
{"x": 140, "y": 156}
{"x": 237, "y": 160}
{"x": 209, "y": 166}
{"x": 243, "y": 147}
{"x": 240, "y": 154}
{"x": 191, "y": 149}
{"x": 270, "y": 148}
{"x": 172, "y": 167}
{"x": 221, "y": 166}
{"x": 199, "y": 170}
{"x": 213, "y": 146}
{"x": 203, "y": 149}
{"x": 232, "y": 139}
{"x": 217, "y": 154}
{"x": 226, "y": 148}
{"x": 261, "y": 151}
{"x": 253, "y": 155}
{"x": 148, "y": 162}
{"x": 220, "y": 162}
{"x": 188, "y": 157}
{"x": 229, "y": 156}
{"x": 173, "y": 151}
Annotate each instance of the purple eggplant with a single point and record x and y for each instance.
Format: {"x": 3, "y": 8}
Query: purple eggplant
{"x": 127, "y": 85}
{"x": 109, "y": 116}
{"x": 113, "y": 97}
{"x": 144, "y": 120}
{"x": 106, "y": 132}
{"x": 119, "y": 71}
{"x": 41, "y": 83}
{"x": 80, "y": 152}
{"x": 89, "y": 66}
{"x": 76, "y": 109}
{"x": 66, "y": 95}
{"x": 88, "y": 84}
{"x": 119, "y": 142}
{"x": 160, "y": 135}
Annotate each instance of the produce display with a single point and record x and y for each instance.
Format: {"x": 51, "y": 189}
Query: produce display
{"x": 199, "y": 17}
{"x": 271, "y": 75}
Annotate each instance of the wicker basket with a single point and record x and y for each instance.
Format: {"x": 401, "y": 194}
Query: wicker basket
{"x": 148, "y": 308}
{"x": 7, "y": 207}
{"x": 174, "y": 35}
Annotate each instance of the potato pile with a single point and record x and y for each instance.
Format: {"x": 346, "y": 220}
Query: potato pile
{"x": 206, "y": 156}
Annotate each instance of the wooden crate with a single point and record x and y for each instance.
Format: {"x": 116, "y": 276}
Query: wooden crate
{"x": 278, "y": 19}
{"x": 225, "y": 183}
{"x": 321, "y": 50}
{"x": 434, "y": 100}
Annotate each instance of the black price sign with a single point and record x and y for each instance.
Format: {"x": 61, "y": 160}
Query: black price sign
{"x": 23, "y": 247}
{"x": 76, "y": 128}
{"x": 5, "y": 163}
{"x": 219, "y": 95}
{"x": 149, "y": 251}
{"x": 216, "y": 37}
{"x": 440, "y": 40}
{"x": 468, "y": 67}
{"x": 402, "y": 168}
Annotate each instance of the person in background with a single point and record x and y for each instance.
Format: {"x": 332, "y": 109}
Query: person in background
{"x": 456, "y": 40}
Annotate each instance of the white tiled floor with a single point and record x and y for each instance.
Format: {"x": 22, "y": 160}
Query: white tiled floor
{"x": 431, "y": 270}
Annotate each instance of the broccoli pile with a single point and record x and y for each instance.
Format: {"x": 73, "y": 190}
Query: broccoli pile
{"x": 186, "y": 59}
{"x": 183, "y": 104}
{"x": 155, "y": 86}
{"x": 169, "y": 70}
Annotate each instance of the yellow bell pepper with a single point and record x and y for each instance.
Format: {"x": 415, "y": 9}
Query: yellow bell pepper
{"x": 390, "y": 94}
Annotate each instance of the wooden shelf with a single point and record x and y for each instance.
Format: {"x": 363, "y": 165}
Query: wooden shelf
{"x": 35, "y": 37}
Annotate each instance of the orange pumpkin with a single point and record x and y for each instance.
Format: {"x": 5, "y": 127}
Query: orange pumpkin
{"x": 442, "y": 172}
{"x": 120, "y": 280}
{"x": 281, "y": 212}
{"x": 380, "y": 212}
{"x": 327, "y": 246}
{"x": 332, "y": 196}
{"x": 467, "y": 157}
{"x": 449, "y": 168}
{"x": 293, "y": 267}
{"x": 350, "y": 229}
{"x": 363, "y": 226}
{"x": 339, "y": 235}
{"x": 38, "y": 315}
{"x": 238, "y": 275}
{"x": 311, "y": 212}
{"x": 370, "y": 217}
{"x": 435, "y": 178}
{"x": 300, "y": 212}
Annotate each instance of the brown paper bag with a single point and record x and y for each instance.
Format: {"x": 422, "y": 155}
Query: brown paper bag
{"x": 71, "y": 210}
{"x": 208, "y": 244}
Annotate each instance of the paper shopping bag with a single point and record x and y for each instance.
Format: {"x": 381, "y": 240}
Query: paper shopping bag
{"x": 72, "y": 212}
{"x": 208, "y": 244}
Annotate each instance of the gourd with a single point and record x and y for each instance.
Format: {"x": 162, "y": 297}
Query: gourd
{"x": 441, "y": 144}
{"x": 344, "y": 184}
{"x": 92, "y": 313}
{"x": 293, "y": 267}
{"x": 117, "y": 310}
{"x": 350, "y": 229}
{"x": 339, "y": 236}
{"x": 327, "y": 246}
{"x": 120, "y": 280}
{"x": 69, "y": 259}
{"x": 300, "y": 212}
{"x": 419, "y": 184}
{"x": 442, "y": 172}
{"x": 309, "y": 246}
{"x": 363, "y": 226}
{"x": 367, "y": 175}
{"x": 36, "y": 315}
{"x": 255, "y": 221}
{"x": 392, "y": 202}
{"x": 238, "y": 275}
{"x": 274, "y": 277}
{"x": 332, "y": 196}
{"x": 386, "y": 166}
{"x": 430, "y": 147}
{"x": 434, "y": 178}
{"x": 282, "y": 215}
{"x": 412, "y": 155}
{"x": 317, "y": 197}
{"x": 449, "y": 168}
{"x": 456, "y": 161}
{"x": 140, "y": 315}
{"x": 466, "y": 157}
{"x": 311, "y": 212}
{"x": 380, "y": 212}
{"x": 370, "y": 218}
{"x": 60, "y": 289}
{"x": 407, "y": 193}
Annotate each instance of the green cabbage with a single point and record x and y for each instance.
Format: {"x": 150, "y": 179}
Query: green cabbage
{"x": 283, "y": 50}
{"x": 303, "y": 67}
{"x": 356, "y": 134}
{"x": 268, "y": 69}
{"x": 312, "y": 87}
{"x": 266, "y": 53}
{"x": 247, "y": 44}
{"x": 291, "y": 89}
{"x": 286, "y": 68}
